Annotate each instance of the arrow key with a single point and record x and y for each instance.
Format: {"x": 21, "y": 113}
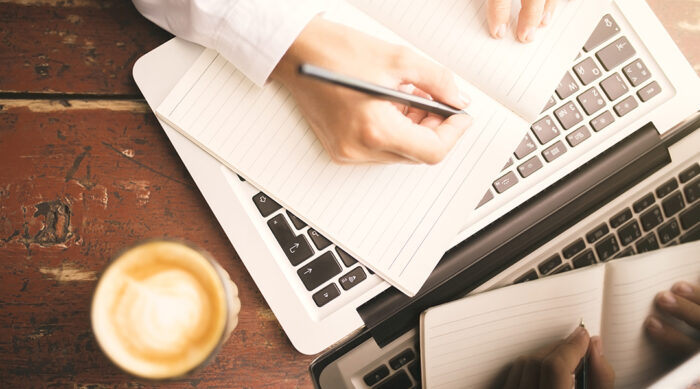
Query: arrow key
{"x": 318, "y": 271}
{"x": 353, "y": 278}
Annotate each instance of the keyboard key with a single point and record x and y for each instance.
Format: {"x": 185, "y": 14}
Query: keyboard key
{"x": 687, "y": 174}
{"x": 620, "y": 218}
{"x": 614, "y": 87}
{"x": 625, "y": 106}
{"x": 591, "y": 101}
{"x": 643, "y": 203}
{"x": 545, "y": 129}
{"x": 561, "y": 269}
{"x": 529, "y": 276}
{"x": 691, "y": 235}
{"x": 488, "y": 196}
{"x": 568, "y": 115}
{"x": 601, "y": 121}
{"x": 525, "y": 147}
{"x": 673, "y": 203}
{"x": 651, "y": 218}
{"x": 615, "y": 53}
{"x": 506, "y": 182}
{"x": 550, "y": 103}
{"x": 587, "y": 71}
{"x": 414, "y": 369}
{"x": 636, "y": 72}
{"x": 647, "y": 243}
{"x": 318, "y": 271}
{"x": 549, "y": 264}
{"x": 645, "y": 94}
{"x": 692, "y": 191}
{"x": 530, "y": 166}
{"x": 508, "y": 164}
{"x": 666, "y": 188}
{"x": 554, "y": 151}
{"x": 607, "y": 247}
{"x": 296, "y": 248}
{"x": 578, "y": 136}
{"x": 669, "y": 231}
{"x": 298, "y": 223}
{"x": 690, "y": 216}
{"x": 240, "y": 178}
{"x": 376, "y": 375}
{"x": 584, "y": 259}
{"x": 606, "y": 29}
{"x": 265, "y": 205}
{"x": 597, "y": 233}
{"x": 353, "y": 278}
{"x": 319, "y": 240}
{"x": 406, "y": 356}
{"x": 629, "y": 233}
{"x": 325, "y": 295}
{"x": 567, "y": 86}
{"x": 399, "y": 380}
{"x": 347, "y": 259}
{"x": 625, "y": 253}
{"x": 573, "y": 249}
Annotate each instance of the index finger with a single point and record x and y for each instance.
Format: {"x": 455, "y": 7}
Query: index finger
{"x": 559, "y": 366}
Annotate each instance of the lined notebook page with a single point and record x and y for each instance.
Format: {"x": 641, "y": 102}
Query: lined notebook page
{"x": 396, "y": 219}
{"x": 469, "y": 343}
{"x": 631, "y": 285}
{"x": 455, "y": 33}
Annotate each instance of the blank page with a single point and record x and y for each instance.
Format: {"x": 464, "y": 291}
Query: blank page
{"x": 469, "y": 343}
{"x": 631, "y": 285}
{"x": 455, "y": 33}
{"x": 396, "y": 219}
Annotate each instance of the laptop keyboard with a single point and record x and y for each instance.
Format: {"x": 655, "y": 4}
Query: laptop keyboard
{"x": 324, "y": 269}
{"x": 400, "y": 367}
{"x": 606, "y": 83}
{"x": 666, "y": 216}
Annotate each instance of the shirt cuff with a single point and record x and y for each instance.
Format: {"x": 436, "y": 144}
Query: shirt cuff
{"x": 255, "y": 37}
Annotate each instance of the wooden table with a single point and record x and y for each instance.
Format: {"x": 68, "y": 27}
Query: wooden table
{"x": 86, "y": 170}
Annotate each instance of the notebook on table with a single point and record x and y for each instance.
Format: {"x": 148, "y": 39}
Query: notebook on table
{"x": 468, "y": 343}
{"x": 397, "y": 220}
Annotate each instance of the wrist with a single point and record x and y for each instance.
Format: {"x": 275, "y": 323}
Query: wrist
{"x": 287, "y": 67}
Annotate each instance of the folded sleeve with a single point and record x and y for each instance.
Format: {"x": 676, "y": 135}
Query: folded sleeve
{"x": 251, "y": 34}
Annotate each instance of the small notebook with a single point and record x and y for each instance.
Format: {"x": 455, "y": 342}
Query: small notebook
{"x": 399, "y": 219}
{"x": 469, "y": 343}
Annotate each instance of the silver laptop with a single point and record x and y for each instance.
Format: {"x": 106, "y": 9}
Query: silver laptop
{"x": 321, "y": 296}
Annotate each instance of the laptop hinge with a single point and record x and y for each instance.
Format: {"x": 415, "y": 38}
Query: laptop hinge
{"x": 521, "y": 231}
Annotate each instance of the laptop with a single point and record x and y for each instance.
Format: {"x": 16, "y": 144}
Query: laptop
{"x": 629, "y": 101}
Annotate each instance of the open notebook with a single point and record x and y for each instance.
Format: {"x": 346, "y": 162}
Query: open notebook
{"x": 469, "y": 343}
{"x": 396, "y": 219}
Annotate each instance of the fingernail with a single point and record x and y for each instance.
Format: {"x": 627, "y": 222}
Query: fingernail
{"x": 529, "y": 35}
{"x": 500, "y": 31}
{"x": 546, "y": 18}
{"x": 683, "y": 288}
{"x": 577, "y": 332}
{"x": 654, "y": 324}
{"x": 667, "y": 299}
{"x": 465, "y": 99}
{"x": 597, "y": 345}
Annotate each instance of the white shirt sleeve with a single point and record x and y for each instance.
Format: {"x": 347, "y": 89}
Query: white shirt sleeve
{"x": 251, "y": 34}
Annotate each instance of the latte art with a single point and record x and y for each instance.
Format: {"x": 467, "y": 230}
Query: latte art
{"x": 161, "y": 309}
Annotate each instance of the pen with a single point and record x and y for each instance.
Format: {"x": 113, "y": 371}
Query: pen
{"x": 581, "y": 376}
{"x": 379, "y": 91}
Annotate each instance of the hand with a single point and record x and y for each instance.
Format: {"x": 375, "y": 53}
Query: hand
{"x": 682, "y": 302}
{"x": 533, "y": 14}
{"x": 355, "y": 127}
{"x": 554, "y": 366}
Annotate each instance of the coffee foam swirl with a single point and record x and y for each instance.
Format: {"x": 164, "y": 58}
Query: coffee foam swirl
{"x": 159, "y": 310}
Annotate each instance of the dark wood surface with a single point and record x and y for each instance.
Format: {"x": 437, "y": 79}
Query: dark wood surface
{"x": 85, "y": 170}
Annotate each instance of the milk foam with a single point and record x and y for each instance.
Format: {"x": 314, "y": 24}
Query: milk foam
{"x": 159, "y": 310}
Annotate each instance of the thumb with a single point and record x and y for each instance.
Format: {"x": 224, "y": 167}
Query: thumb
{"x": 603, "y": 375}
{"x": 428, "y": 76}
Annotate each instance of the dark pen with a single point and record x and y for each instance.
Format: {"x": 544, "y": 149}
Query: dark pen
{"x": 379, "y": 91}
{"x": 581, "y": 376}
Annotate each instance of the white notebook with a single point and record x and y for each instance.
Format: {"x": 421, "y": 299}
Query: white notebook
{"x": 398, "y": 220}
{"x": 469, "y": 343}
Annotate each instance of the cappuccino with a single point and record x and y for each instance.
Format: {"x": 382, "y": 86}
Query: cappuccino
{"x": 162, "y": 308}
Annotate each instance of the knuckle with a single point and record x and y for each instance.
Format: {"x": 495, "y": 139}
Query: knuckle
{"x": 401, "y": 56}
{"x": 372, "y": 137}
